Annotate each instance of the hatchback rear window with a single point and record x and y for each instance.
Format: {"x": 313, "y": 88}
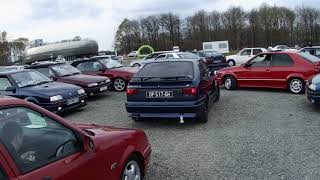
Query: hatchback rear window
{"x": 166, "y": 69}
{"x": 309, "y": 57}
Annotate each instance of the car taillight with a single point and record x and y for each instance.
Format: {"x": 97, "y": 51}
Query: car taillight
{"x": 131, "y": 91}
{"x": 317, "y": 68}
{"x": 192, "y": 91}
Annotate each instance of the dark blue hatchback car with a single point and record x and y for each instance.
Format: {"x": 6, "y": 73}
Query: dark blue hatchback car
{"x": 172, "y": 89}
{"x": 32, "y": 86}
{"x": 313, "y": 89}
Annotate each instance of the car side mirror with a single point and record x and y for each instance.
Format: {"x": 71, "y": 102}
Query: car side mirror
{"x": 102, "y": 69}
{"x": 11, "y": 88}
{"x": 89, "y": 144}
{"x": 246, "y": 65}
{"x": 53, "y": 78}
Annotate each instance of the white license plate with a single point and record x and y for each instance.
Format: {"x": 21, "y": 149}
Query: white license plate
{"x": 104, "y": 88}
{"x": 72, "y": 101}
{"x": 159, "y": 94}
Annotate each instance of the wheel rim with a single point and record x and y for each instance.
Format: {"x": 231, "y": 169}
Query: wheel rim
{"x": 227, "y": 83}
{"x": 132, "y": 171}
{"x": 136, "y": 65}
{"x": 231, "y": 63}
{"x": 119, "y": 84}
{"x": 296, "y": 85}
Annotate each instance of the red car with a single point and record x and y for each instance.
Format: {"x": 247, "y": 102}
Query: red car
{"x": 118, "y": 73}
{"x": 284, "y": 70}
{"x": 37, "y": 144}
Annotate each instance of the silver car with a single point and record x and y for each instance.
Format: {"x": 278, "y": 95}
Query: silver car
{"x": 149, "y": 58}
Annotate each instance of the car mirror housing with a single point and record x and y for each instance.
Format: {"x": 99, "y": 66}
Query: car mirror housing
{"x": 11, "y": 88}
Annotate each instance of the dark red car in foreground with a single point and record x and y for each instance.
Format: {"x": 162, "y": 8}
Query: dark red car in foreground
{"x": 284, "y": 70}
{"x": 118, "y": 73}
{"x": 38, "y": 145}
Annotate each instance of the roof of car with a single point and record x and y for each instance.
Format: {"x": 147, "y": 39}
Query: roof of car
{"x": 176, "y": 60}
{"x": 43, "y": 64}
{"x": 7, "y": 100}
{"x": 14, "y": 71}
{"x": 312, "y": 47}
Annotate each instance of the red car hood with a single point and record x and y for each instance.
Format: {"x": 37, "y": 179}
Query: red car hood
{"x": 82, "y": 79}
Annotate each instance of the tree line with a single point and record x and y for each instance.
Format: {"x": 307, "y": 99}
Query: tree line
{"x": 11, "y": 51}
{"x": 263, "y": 26}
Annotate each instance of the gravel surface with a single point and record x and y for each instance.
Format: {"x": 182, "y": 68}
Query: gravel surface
{"x": 251, "y": 134}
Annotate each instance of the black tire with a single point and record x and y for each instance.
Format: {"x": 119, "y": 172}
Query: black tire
{"x": 231, "y": 63}
{"x": 203, "y": 117}
{"x": 116, "y": 85}
{"x": 136, "y": 65}
{"x": 132, "y": 158}
{"x": 217, "y": 94}
{"x": 230, "y": 83}
{"x": 296, "y": 86}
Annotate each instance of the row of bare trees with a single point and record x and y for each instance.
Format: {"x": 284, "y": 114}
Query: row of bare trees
{"x": 264, "y": 26}
{"x": 11, "y": 51}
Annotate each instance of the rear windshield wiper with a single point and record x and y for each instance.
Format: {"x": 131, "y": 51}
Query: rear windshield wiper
{"x": 165, "y": 77}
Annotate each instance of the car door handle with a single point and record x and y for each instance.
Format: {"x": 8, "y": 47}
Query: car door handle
{"x": 47, "y": 178}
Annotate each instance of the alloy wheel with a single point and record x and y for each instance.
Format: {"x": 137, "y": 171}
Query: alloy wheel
{"x": 227, "y": 83}
{"x": 296, "y": 86}
{"x": 136, "y": 65}
{"x": 132, "y": 171}
{"x": 119, "y": 84}
{"x": 231, "y": 63}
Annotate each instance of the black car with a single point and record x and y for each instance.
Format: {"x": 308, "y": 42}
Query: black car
{"x": 34, "y": 87}
{"x": 180, "y": 89}
{"x": 62, "y": 72}
{"x": 314, "y": 50}
{"x": 213, "y": 59}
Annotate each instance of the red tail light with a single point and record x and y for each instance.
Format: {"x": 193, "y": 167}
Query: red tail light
{"x": 317, "y": 67}
{"x": 192, "y": 91}
{"x": 131, "y": 91}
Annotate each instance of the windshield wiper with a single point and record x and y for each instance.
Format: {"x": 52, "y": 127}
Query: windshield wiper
{"x": 166, "y": 77}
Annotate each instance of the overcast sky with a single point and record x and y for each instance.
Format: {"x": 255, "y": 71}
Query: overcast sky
{"x": 54, "y": 20}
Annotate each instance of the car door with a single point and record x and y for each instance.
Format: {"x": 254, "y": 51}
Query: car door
{"x": 244, "y": 56}
{"x": 257, "y": 73}
{"x": 50, "y": 150}
{"x": 281, "y": 68}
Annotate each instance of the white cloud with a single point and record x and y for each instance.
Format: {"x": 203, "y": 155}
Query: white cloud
{"x": 54, "y": 20}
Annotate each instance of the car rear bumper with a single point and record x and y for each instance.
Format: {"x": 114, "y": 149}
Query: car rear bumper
{"x": 313, "y": 97}
{"x": 62, "y": 106}
{"x": 188, "y": 109}
{"x": 101, "y": 89}
{"x": 214, "y": 67}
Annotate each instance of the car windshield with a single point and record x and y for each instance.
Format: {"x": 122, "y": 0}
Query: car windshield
{"x": 167, "y": 69}
{"x": 110, "y": 64}
{"x": 29, "y": 78}
{"x": 212, "y": 53}
{"x": 65, "y": 70}
{"x": 309, "y": 57}
{"x": 188, "y": 55}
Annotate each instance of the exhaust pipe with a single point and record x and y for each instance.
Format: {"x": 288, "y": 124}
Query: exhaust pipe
{"x": 181, "y": 119}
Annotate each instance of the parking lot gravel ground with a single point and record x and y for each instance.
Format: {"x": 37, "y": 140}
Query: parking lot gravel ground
{"x": 251, "y": 134}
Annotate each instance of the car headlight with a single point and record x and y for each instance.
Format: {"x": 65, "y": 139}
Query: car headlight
{"x": 56, "y": 98}
{"x": 81, "y": 91}
{"x": 92, "y": 84}
{"x": 313, "y": 87}
{"x": 107, "y": 81}
{"x": 216, "y": 72}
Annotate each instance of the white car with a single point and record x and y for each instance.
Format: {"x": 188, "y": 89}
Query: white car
{"x": 149, "y": 58}
{"x": 282, "y": 48}
{"x": 244, "y": 55}
{"x": 133, "y": 54}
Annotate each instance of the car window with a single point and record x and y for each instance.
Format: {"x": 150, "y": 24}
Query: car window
{"x": 161, "y": 57}
{"x": 29, "y": 78}
{"x": 261, "y": 61}
{"x": 89, "y": 66}
{"x": 281, "y": 60}
{"x": 46, "y": 71}
{"x": 188, "y": 55}
{"x": 169, "y": 56}
{"x": 167, "y": 69}
{"x": 3, "y": 175}
{"x": 65, "y": 70}
{"x": 202, "y": 69}
{"x": 309, "y": 57}
{"x": 256, "y": 51}
{"x": 246, "y": 52}
{"x": 154, "y": 55}
{"x": 24, "y": 131}
{"x": 4, "y": 83}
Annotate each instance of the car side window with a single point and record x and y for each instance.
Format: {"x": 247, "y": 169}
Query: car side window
{"x": 3, "y": 175}
{"x": 24, "y": 133}
{"x": 263, "y": 60}
{"x": 161, "y": 57}
{"x": 256, "y": 51}
{"x": 202, "y": 69}
{"x": 89, "y": 66}
{"x": 317, "y": 52}
{"x": 4, "y": 83}
{"x": 46, "y": 71}
{"x": 281, "y": 60}
{"x": 169, "y": 56}
{"x": 246, "y": 52}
